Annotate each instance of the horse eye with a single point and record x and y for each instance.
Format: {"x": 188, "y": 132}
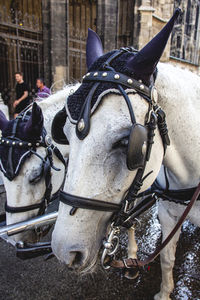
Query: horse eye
{"x": 123, "y": 143}
{"x": 35, "y": 176}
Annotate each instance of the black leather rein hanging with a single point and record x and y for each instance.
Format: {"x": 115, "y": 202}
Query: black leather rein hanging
{"x": 140, "y": 141}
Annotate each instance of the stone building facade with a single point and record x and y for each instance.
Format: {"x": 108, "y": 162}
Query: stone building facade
{"x": 119, "y": 23}
{"x": 54, "y": 46}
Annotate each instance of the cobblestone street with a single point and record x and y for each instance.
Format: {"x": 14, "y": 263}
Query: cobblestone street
{"x": 39, "y": 279}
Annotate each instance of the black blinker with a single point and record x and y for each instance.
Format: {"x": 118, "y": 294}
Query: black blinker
{"x": 57, "y": 127}
{"x": 137, "y": 147}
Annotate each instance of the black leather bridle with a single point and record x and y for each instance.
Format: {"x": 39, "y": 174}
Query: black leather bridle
{"x": 123, "y": 213}
{"x": 47, "y": 163}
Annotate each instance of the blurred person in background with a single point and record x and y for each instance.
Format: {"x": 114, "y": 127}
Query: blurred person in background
{"x": 22, "y": 94}
{"x": 43, "y": 91}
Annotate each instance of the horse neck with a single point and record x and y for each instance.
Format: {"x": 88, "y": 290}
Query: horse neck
{"x": 178, "y": 96}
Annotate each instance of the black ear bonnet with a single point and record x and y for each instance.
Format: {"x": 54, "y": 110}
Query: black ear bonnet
{"x": 13, "y": 158}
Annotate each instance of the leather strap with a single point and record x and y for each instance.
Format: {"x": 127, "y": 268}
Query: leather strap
{"x": 118, "y": 78}
{"x": 20, "y": 209}
{"x": 87, "y": 203}
{"x": 134, "y": 263}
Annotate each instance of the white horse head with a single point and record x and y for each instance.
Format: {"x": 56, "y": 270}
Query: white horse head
{"x": 26, "y": 185}
{"x": 98, "y": 150}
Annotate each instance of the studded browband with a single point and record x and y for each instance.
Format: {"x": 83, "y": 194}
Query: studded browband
{"x": 10, "y": 141}
{"x": 119, "y": 78}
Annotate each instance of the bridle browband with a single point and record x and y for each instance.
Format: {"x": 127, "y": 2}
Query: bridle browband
{"x": 47, "y": 163}
{"x": 155, "y": 117}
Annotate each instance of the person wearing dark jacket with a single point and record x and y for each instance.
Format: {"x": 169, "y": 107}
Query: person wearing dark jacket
{"x": 22, "y": 94}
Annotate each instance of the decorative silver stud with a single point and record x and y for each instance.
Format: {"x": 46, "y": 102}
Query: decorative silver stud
{"x": 130, "y": 81}
{"x": 95, "y": 74}
{"x": 140, "y": 80}
{"x": 48, "y": 140}
{"x": 84, "y": 76}
{"x": 88, "y": 74}
{"x": 37, "y": 144}
{"x": 13, "y": 143}
{"x": 142, "y": 86}
{"x": 29, "y": 144}
{"x": 116, "y": 76}
{"x": 3, "y": 141}
{"x": 7, "y": 142}
{"x": 20, "y": 144}
{"x": 81, "y": 125}
{"x": 20, "y": 244}
{"x": 104, "y": 74}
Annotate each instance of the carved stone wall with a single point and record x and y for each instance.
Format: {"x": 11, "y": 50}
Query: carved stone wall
{"x": 185, "y": 41}
{"x": 119, "y": 23}
{"x": 184, "y": 46}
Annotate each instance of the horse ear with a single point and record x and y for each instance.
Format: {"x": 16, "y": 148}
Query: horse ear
{"x": 94, "y": 48}
{"x": 34, "y": 125}
{"x": 143, "y": 64}
{"x": 3, "y": 121}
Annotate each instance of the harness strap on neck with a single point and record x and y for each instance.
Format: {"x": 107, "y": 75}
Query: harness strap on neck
{"x": 21, "y": 209}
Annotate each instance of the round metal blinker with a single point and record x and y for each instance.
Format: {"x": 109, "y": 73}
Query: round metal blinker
{"x": 81, "y": 125}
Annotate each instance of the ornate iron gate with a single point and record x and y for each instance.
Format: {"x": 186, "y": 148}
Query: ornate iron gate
{"x": 82, "y": 14}
{"x": 20, "y": 44}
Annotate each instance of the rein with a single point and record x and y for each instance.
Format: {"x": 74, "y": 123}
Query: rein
{"x": 130, "y": 263}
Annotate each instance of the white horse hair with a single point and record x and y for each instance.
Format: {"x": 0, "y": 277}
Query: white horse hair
{"x": 98, "y": 170}
{"x": 20, "y": 192}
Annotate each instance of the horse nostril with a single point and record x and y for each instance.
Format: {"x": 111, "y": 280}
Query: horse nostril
{"x": 77, "y": 258}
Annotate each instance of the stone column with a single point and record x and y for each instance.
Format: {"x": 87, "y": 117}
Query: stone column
{"x": 55, "y": 40}
{"x": 107, "y": 23}
{"x": 46, "y": 41}
{"x": 146, "y": 12}
{"x": 58, "y": 19}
